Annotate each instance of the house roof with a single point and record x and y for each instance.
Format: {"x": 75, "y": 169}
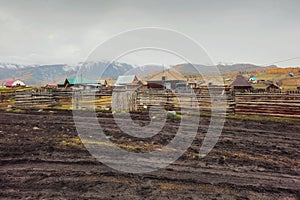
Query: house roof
{"x": 169, "y": 75}
{"x": 240, "y": 81}
{"x": 111, "y": 81}
{"x": 274, "y": 85}
{"x": 61, "y": 83}
{"x": 143, "y": 82}
{"x": 80, "y": 80}
{"x": 125, "y": 79}
{"x": 10, "y": 83}
{"x": 51, "y": 84}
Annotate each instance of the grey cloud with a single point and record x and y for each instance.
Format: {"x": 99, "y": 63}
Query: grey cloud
{"x": 231, "y": 31}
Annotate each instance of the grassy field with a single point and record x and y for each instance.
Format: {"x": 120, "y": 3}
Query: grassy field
{"x": 4, "y": 89}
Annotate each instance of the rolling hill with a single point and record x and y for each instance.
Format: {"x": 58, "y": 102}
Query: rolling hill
{"x": 43, "y": 74}
{"x": 189, "y": 70}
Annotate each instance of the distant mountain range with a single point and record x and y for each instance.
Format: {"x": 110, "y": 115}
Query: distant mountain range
{"x": 43, "y": 74}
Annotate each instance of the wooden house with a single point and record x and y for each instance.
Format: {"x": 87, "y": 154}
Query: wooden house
{"x": 78, "y": 82}
{"x": 127, "y": 82}
{"x": 241, "y": 84}
{"x": 167, "y": 78}
{"x": 15, "y": 83}
{"x": 274, "y": 88}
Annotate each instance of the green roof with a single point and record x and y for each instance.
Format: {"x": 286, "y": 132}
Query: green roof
{"x": 80, "y": 80}
{"x": 61, "y": 83}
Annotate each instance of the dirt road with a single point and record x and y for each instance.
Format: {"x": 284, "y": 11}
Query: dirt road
{"x": 43, "y": 158}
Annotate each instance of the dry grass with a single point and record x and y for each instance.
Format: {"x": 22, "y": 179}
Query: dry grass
{"x": 143, "y": 147}
{"x": 291, "y": 81}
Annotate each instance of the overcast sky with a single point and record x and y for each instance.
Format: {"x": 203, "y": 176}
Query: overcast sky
{"x": 48, "y": 32}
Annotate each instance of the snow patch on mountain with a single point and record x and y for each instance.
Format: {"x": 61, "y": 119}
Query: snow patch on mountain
{"x": 68, "y": 68}
{"x": 14, "y": 66}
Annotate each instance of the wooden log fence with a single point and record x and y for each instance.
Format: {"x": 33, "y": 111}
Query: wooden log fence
{"x": 6, "y": 96}
{"x": 268, "y": 104}
{"x": 178, "y": 101}
{"x": 278, "y": 105}
{"x": 33, "y": 99}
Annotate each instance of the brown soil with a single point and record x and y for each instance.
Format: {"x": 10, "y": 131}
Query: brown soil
{"x": 43, "y": 158}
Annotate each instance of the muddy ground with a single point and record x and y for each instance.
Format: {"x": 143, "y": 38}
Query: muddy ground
{"x": 43, "y": 158}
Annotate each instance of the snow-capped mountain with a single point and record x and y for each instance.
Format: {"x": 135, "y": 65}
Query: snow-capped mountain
{"x": 43, "y": 74}
{"x": 14, "y": 66}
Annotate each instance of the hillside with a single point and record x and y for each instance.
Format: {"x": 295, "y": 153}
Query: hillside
{"x": 281, "y": 76}
{"x": 189, "y": 70}
{"x": 43, "y": 74}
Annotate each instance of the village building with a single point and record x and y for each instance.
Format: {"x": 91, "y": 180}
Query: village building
{"x": 50, "y": 85}
{"x": 261, "y": 81}
{"x": 15, "y": 83}
{"x": 143, "y": 83}
{"x": 156, "y": 86}
{"x": 253, "y": 80}
{"x": 167, "y": 78}
{"x": 78, "y": 82}
{"x": 273, "y": 88}
{"x": 241, "y": 84}
{"x": 103, "y": 83}
{"x": 127, "y": 82}
{"x": 193, "y": 83}
{"x": 110, "y": 82}
{"x": 182, "y": 88}
{"x": 291, "y": 74}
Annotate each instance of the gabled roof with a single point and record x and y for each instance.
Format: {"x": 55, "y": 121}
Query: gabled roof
{"x": 10, "y": 83}
{"x": 61, "y": 83}
{"x": 240, "y": 81}
{"x": 126, "y": 79}
{"x": 273, "y": 85}
{"x": 169, "y": 75}
{"x": 80, "y": 80}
